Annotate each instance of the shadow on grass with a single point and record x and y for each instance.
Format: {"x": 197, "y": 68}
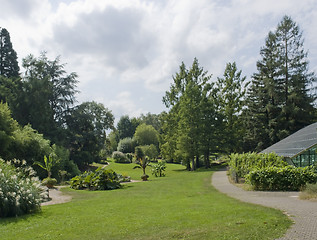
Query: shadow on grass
{"x": 22, "y": 218}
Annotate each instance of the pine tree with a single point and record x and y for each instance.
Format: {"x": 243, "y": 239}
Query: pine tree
{"x": 230, "y": 94}
{"x": 8, "y": 58}
{"x": 279, "y": 100}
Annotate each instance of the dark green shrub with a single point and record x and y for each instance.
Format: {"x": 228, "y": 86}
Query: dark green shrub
{"x": 159, "y": 169}
{"x": 241, "y": 164}
{"x": 101, "y": 179}
{"x": 126, "y": 145}
{"x": 120, "y": 157}
{"x": 20, "y": 190}
{"x": 288, "y": 178}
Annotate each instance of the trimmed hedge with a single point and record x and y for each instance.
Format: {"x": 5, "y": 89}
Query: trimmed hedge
{"x": 288, "y": 178}
{"x": 242, "y": 164}
{"x": 101, "y": 179}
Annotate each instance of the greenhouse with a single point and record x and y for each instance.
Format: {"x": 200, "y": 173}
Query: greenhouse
{"x": 299, "y": 149}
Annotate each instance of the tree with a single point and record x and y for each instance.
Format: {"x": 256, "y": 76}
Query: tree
{"x": 146, "y": 135}
{"x": 113, "y": 138}
{"x": 8, "y": 57}
{"x": 126, "y": 127}
{"x": 230, "y": 94}
{"x": 126, "y": 145}
{"x": 151, "y": 119}
{"x": 87, "y": 125}
{"x": 49, "y": 94}
{"x": 279, "y": 99}
{"x": 185, "y": 98}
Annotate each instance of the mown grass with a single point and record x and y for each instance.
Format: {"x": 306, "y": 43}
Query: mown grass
{"x": 182, "y": 205}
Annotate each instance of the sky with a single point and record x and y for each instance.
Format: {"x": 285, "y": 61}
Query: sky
{"x": 126, "y": 52}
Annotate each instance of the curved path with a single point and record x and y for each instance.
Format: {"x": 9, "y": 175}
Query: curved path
{"x": 303, "y": 213}
{"x": 57, "y": 197}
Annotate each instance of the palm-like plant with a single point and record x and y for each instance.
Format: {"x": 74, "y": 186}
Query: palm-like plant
{"x": 142, "y": 161}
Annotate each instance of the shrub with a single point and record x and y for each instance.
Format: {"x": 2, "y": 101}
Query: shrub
{"x": 124, "y": 178}
{"x": 20, "y": 190}
{"x": 288, "y": 178}
{"x": 159, "y": 169}
{"x": 242, "y": 164}
{"x": 126, "y": 145}
{"x": 49, "y": 182}
{"x": 120, "y": 157}
{"x": 101, "y": 179}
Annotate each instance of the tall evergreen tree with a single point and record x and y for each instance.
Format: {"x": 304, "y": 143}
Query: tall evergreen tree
{"x": 231, "y": 92}
{"x": 279, "y": 98}
{"x": 8, "y": 57}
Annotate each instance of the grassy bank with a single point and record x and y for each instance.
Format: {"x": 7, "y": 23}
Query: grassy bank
{"x": 182, "y": 205}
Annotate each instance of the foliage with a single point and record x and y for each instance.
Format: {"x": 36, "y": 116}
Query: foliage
{"x": 87, "y": 127}
{"x": 279, "y": 100}
{"x": 288, "y": 178}
{"x": 152, "y": 119}
{"x": 49, "y": 163}
{"x": 159, "y": 169}
{"x": 49, "y": 182}
{"x": 146, "y": 135}
{"x": 242, "y": 164}
{"x": 49, "y": 93}
{"x": 20, "y": 190}
{"x": 120, "y": 157}
{"x": 113, "y": 137}
{"x": 126, "y": 145}
{"x": 142, "y": 161}
{"x": 101, "y": 179}
{"x": 150, "y": 151}
{"x": 309, "y": 191}
{"x": 126, "y": 127}
{"x": 8, "y": 57}
{"x": 187, "y": 94}
{"x": 231, "y": 90}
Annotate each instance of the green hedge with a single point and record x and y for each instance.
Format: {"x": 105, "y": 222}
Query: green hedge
{"x": 241, "y": 164}
{"x": 101, "y": 179}
{"x": 288, "y": 178}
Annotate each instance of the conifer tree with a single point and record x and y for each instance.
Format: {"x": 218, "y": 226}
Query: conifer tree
{"x": 279, "y": 98}
{"x": 8, "y": 58}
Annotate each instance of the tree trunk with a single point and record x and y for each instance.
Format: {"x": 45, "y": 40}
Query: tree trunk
{"x": 193, "y": 164}
{"x": 207, "y": 162}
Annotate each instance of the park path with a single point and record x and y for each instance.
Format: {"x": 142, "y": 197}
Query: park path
{"x": 302, "y": 212}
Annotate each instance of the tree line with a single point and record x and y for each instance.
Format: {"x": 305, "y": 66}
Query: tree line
{"x": 205, "y": 117}
{"x": 232, "y": 115}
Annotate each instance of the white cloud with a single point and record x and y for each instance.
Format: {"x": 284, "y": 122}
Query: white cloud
{"x": 127, "y": 48}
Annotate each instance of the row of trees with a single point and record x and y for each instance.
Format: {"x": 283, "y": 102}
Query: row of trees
{"x": 44, "y": 97}
{"x": 204, "y": 117}
{"x": 231, "y": 115}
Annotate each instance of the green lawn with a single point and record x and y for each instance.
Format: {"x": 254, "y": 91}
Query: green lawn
{"x": 182, "y": 205}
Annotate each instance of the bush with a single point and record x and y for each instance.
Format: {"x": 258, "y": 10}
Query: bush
{"x": 126, "y": 145}
{"x": 101, "y": 179}
{"x": 49, "y": 182}
{"x": 159, "y": 169}
{"x": 287, "y": 178}
{"x": 20, "y": 191}
{"x": 120, "y": 157}
{"x": 242, "y": 164}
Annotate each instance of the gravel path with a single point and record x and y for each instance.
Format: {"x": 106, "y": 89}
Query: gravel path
{"x": 302, "y": 212}
{"x": 57, "y": 197}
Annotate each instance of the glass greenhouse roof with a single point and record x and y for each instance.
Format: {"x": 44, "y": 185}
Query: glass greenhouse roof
{"x": 295, "y": 143}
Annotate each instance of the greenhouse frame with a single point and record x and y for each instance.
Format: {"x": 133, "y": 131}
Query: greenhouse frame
{"x": 298, "y": 149}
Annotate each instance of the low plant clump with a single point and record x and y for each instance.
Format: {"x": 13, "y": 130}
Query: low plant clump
{"x": 288, "y": 178}
{"x": 158, "y": 170}
{"x": 120, "y": 157}
{"x": 101, "y": 179}
{"x": 20, "y": 191}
